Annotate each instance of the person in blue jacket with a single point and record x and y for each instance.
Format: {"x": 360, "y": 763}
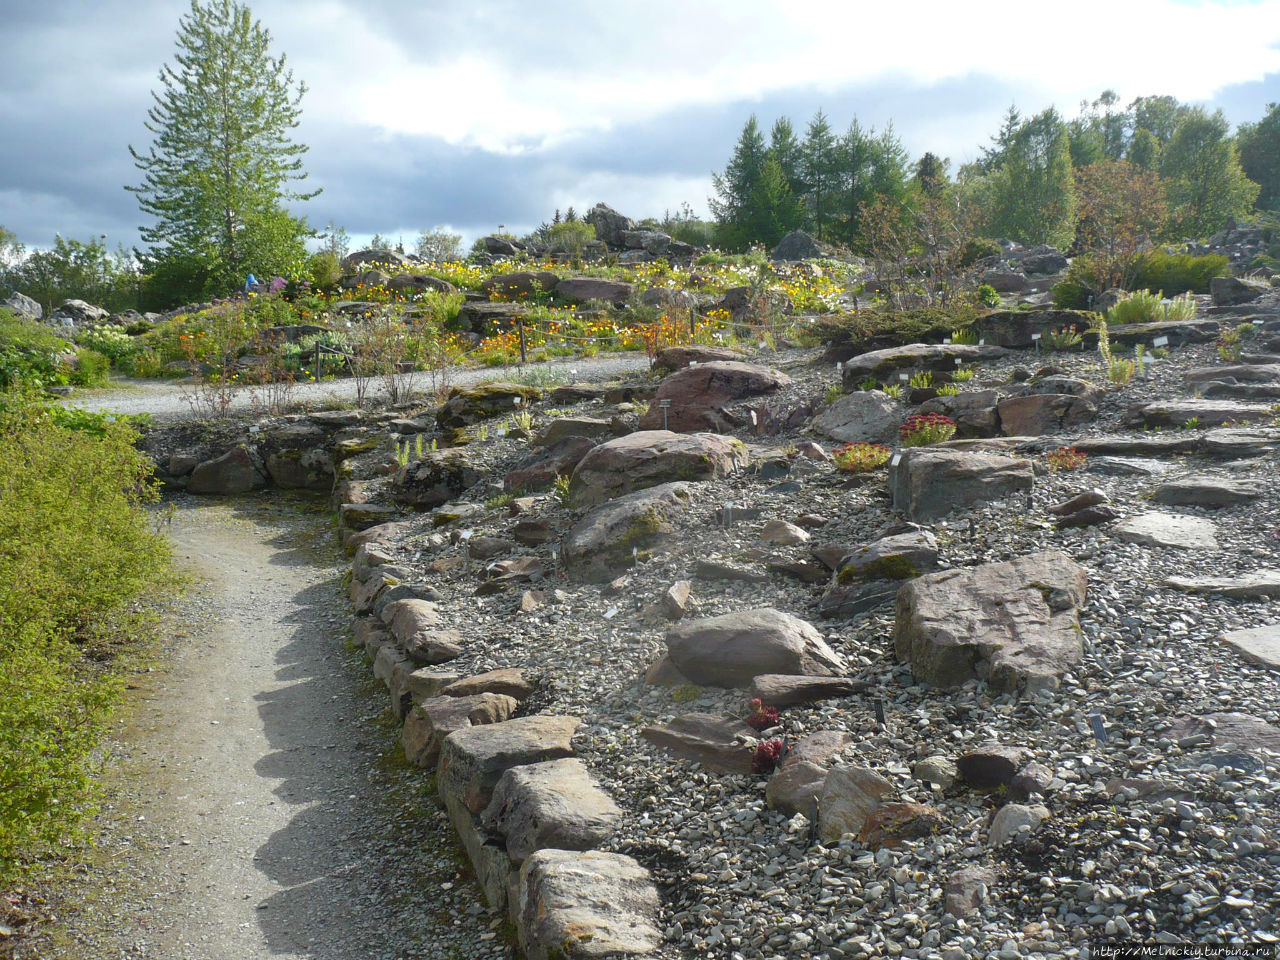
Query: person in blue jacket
{"x": 249, "y": 283}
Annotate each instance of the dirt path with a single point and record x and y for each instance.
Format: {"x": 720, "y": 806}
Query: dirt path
{"x": 252, "y": 816}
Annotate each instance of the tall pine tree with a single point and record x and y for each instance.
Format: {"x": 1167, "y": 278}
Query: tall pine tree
{"x": 216, "y": 179}
{"x": 735, "y": 187}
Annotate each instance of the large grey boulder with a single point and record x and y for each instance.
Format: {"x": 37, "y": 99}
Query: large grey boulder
{"x": 849, "y": 796}
{"x": 677, "y": 358}
{"x": 1205, "y": 413}
{"x": 366, "y": 258}
{"x": 581, "y": 289}
{"x": 299, "y": 456}
{"x": 1038, "y": 414}
{"x": 651, "y": 457}
{"x": 590, "y": 905}
{"x": 602, "y": 542}
{"x": 417, "y": 628}
{"x": 797, "y": 245}
{"x": 81, "y": 313}
{"x": 552, "y": 804}
{"x": 1015, "y": 328}
{"x": 1003, "y": 280}
{"x": 929, "y": 482}
{"x": 419, "y": 283}
{"x": 22, "y": 306}
{"x": 436, "y": 478}
{"x": 1044, "y": 260}
{"x": 239, "y": 470}
{"x": 473, "y": 760}
{"x": 973, "y": 411}
{"x": 519, "y": 285}
{"x": 1230, "y": 291}
{"x": 1013, "y": 624}
{"x": 464, "y": 406}
{"x": 1207, "y": 491}
{"x": 698, "y": 396}
{"x": 722, "y": 744}
{"x": 864, "y": 415}
{"x": 609, "y": 224}
{"x": 732, "y": 649}
{"x": 899, "y": 556}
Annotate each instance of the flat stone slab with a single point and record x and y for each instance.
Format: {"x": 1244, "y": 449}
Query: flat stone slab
{"x": 472, "y": 761}
{"x": 1237, "y": 730}
{"x": 1213, "y": 492}
{"x": 1261, "y": 584}
{"x": 785, "y": 690}
{"x": 1258, "y": 644}
{"x": 1204, "y": 413}
{"x": 1168, "y": 530}
{"x": 648, "y": 458}
{"x": 934, "y": 356}
{"x": 928, "y": 483}
{"x": 734, "y": 648}
{"x": 1240, "y": 372}
{"x": 430, "y": 721}
{"x": 718, "y": 743}
{"x": 1013, "y": 624}
{"x": 555, "y": 804}
{"x": 575, "y": 906}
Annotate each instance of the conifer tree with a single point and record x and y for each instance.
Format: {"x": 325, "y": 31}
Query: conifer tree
{"x": 217, "y": 176}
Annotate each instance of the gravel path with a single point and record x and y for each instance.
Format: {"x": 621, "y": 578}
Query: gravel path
{"x": 164, "y": 400}
{"x": 251, "y": 815}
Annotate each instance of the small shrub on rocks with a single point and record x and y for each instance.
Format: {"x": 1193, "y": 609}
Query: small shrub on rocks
{"x": 860, "y": 457}
{"x": 762, "y": 717}
{"x": 1063, "y": 339}
{"x": 767, "y": 756}
{"x": 922, "y": 429}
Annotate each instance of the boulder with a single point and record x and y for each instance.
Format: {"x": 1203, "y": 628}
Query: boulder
{"x": 1006, "y": 281}
{"x": 520, "y": 285}
{"x": 473, "y": 760}
{"x": 787, "y": 690}
{"x": 899, "y": 556}
{"x": 554, "y": 804}
{"x": 974, "y": 412}
{"x": 564, "y": 427}
{"x": 582, "y": 289}
{"x": 1206, "y": 413}
{"x": 609, "y": 224}
{"x": 1044, "y": 260}
{"x": 1230, "y": 730}
{"x": 1015, "y": 821}
{"x": 849, "y": 795}
{"x": 795, "y": 788}
{"x": 1231, "y": 291}
{"x": 366, "y": 516}
{"x": 415, "y": 624}
{"x": 362, "y": 280}
{"x": 22, "y": 306}
{"x": 572, "y": 905}
{"x": 1206, "y": 491}
{"x": 1178, "y": 332}
{"x": 1260, "y": 645}
{"x": 507, "y": 681}
{"x": 966, "y": 890}
{"x": 673, "y": 359}
{"x": 299, "y": 457}
{"x": 864, "y": 415}
{"x": 239, "y": 470}
{"x": 1242, "y": 372}
{"x": 783, "y": 534}
{"x": 699, "y": 395}
{"x": 929, "y": 482}
{"x": 435, "y": 479}
{"x": 1038, "y": 414}
{"x": 419, "y": 283}
{"x": 500, "y": 246}
{"x": 914, "y": 356}
{"x": 428, "y": 722}
{"x": 721, "y": 744}
{"x": 1168, "y": 530}
{"x": 80, "y": 313}
{"x": 601, "y": 544}
{"x": 557, "y": 460}
{"x": 652, "y": 242}
{"x": 652, "y": 457}
{"x": 464, "y": 406}
{"x": 365, "y": 258}
{"x": 992, "y": 765}
{"x": 891, "y": 823}
{"x": 797, "y": 245}
{"x": 1014, "y": 328}
{"x": 732, "y": 649}
{"x": 1013, "y": 624}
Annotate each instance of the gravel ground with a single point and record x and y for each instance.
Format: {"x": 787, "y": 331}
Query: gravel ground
{"x": 255, "y": 806}
{"x": 167, "y": 401}
{"x": 741, "y": 881}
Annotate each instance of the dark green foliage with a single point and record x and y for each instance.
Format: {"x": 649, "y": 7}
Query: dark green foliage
{"x": 850, "y": 334}
{"x": 1176, "y": 273}
{"x": 30, "y": 354}
{"x": 979, "y": 248}
{"x": 1030, "y": 196}
{"x": 1260, "y": 156}
{"x": 73, "y": 270}
{"x": 1201, "y": 168}
{"x": 91, "y": 368}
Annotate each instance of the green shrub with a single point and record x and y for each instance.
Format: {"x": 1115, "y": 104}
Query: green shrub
{"x": 111, "y": 342}
{"x": 988, "y": 295}
{"x": 91, "y": 368}
{"x": 979, "y": 248}
{"x": 1140, "y": 306}
{"x": 78, "y": 551}
{"x": 1070, "y": 293}
{"x": 854, "y": 333}
{"x": 1176, "y": 273}
{"x": 30, "y": 354}
{"x": 324, "y": 270}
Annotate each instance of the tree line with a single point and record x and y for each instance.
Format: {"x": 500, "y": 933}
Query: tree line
{"x": 1041, "y": 179}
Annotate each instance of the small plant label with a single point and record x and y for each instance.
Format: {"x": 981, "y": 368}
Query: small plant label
{"x": 1160, "y": 342}
{"x": 611, "y": 613}
{"x": 904, "y": 377}
{"x": 516, "y": 401}
{"x": 946, "y": 339}
{"x": 897, "y": 459}
{"x": 1036, "y": 336}
{"x": 693, "y": 363}
{"x": 253, "y": 429}
{"x": 959, "y": 361}
{"x": 982, "y": 343}
{"x": 1099, "y": 728}
{"x": 839, "y": 366}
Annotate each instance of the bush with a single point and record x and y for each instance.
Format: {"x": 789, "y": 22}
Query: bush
{"x": 852, "y": 333}
{"x": 30, "y": 354}
{"x": 111, "y": 342}
{"x": 860, "y": 457}
{"x": 1176, "y": 273}
{"x": 78, "y": 549}
{"x": 988, "y": 296}
{"x": 91, "y": 368}
{"x": 979, "y": 248}
{"x": 324, "y": 270}
{"x": 1143, "y": 306}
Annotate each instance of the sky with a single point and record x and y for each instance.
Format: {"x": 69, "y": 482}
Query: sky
{"x": 471, "y": 114}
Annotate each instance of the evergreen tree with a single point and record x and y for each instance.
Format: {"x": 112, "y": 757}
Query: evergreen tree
{"x": 736, "y": 186}
{"x": 1202, "y": 173}
{"x": 785, "y": 148}
{"x": 1259, "y": 145}
{"x": 1030, "y": 197}
{"x": 773, "y": 211}
{"x": 1144, "y": 149}
{"x": 217, "y": 175}
{"x": 570, "y": 215}
{"x": 871, "y": 166}
{"x": 931, "y": 175}
{"x": 819, "y": 164}
{"x": 993, "y": 156}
